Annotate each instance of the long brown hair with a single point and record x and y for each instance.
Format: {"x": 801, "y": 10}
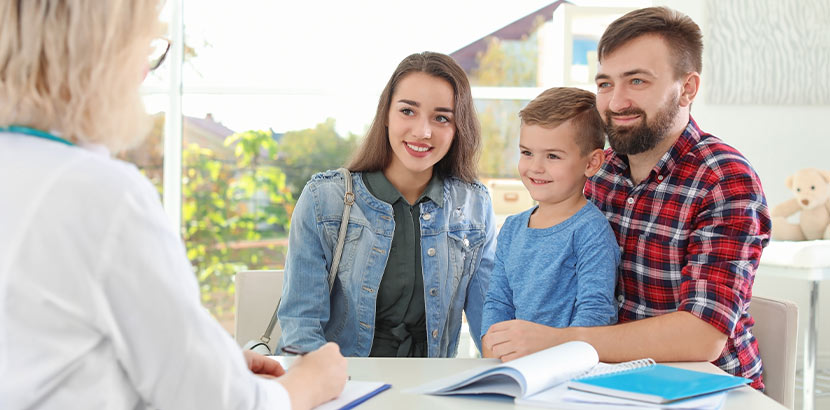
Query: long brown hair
{"x": 461, "y": 160}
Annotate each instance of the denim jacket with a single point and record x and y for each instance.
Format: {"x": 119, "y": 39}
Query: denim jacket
{"x": 457, "y": 250}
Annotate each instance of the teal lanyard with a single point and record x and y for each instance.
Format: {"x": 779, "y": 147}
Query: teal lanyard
{"x": 35, "y": 133}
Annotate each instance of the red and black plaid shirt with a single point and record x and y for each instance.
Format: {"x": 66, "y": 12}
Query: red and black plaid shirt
{"x": 691, "y": 235}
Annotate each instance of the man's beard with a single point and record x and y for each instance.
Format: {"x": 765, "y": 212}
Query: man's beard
{"x": 643, "y": 137}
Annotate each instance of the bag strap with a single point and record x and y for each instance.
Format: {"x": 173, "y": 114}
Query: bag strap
{"x": 348, "y": 201}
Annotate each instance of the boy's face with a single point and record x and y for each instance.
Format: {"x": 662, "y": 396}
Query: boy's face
{"x": 552, "y": 167}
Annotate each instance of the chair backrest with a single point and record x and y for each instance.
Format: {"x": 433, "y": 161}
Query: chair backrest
{"x": 257, "y": 295}
{"x": 776, "y": 330}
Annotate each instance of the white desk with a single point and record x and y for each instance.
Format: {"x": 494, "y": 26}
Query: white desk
{"x": 405, "y": 373}
{"x": 810, "y": 261}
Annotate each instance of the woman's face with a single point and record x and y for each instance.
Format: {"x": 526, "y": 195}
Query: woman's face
{"x": 421, "y": 123}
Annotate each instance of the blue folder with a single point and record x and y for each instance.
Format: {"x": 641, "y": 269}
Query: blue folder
{"x": 657, "y": 383}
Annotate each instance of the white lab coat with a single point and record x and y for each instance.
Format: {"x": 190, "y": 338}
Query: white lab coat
{"x": 99, "y": 306}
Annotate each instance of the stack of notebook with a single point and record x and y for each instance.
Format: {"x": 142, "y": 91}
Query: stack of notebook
{"x": 571, "y": 373}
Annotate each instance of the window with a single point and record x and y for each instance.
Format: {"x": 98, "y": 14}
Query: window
{"x": 272, "y": 92}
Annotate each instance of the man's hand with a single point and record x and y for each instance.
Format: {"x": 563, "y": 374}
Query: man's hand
{"x": 262, "y": 365}
{"x": 513, "y": 339}
{"x": 672, "y": 337}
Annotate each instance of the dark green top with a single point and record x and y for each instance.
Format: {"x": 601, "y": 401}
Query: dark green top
{"x": 400, "y": 321}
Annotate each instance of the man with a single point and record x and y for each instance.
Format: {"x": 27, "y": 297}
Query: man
{"x": 688, "y": 211}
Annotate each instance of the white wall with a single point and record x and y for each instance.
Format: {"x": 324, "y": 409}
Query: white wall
{"x": 777, "y": 140}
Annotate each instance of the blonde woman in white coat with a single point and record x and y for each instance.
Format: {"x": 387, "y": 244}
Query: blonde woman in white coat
{"x": 99, "y": 307}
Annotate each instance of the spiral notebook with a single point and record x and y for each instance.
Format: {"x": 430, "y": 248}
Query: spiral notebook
{"x": 656, "y": 383}
{"x": 560, "y": 396}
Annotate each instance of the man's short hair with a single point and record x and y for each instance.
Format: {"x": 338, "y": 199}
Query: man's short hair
{"x": 680, "y": 32}
{"x": 558, "y": 105}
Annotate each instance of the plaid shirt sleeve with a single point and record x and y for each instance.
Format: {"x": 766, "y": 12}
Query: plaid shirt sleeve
{"x": 729, "y": 231}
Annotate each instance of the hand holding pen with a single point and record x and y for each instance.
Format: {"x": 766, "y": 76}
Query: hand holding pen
{"x": 319, "y": 376}
{"x": 295, "y": 350}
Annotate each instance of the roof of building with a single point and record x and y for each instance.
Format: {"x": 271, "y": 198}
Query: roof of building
{"x": 208, "y": 124}
{"x": 466, "y": 56}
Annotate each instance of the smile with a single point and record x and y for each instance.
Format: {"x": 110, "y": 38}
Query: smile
{"x": 625, "y": 119}
{"x": 538, "y": 181}
{"x": 417, "y": 150}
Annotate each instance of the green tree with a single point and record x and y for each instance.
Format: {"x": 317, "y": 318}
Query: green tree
{"x": 228, "y": 208}
{"x": 500, "y": 131}
{"x": 507, "y": 63}
{"x": 260, "y": 186}
{"x": 306, "y": 152}
{"x": 235, "y": 213}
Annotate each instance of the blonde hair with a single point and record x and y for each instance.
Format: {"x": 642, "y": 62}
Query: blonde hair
{"x": 558, "y": 105}
{"x": 75, "y": 67}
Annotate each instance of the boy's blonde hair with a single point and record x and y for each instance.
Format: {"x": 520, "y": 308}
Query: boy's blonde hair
{"x": 75, "y": 67}
{"x": 560, "y": 104}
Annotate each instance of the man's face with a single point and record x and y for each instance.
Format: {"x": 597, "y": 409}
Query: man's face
{"x": 638, "y": 96}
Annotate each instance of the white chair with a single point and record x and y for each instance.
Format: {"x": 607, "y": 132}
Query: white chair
{"x": 257, "y": 295}
{"x": 776, "y": 330}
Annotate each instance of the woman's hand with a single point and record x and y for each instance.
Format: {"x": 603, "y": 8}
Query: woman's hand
{"x": 316, "y": 378}
{"x": 262, "y": 365}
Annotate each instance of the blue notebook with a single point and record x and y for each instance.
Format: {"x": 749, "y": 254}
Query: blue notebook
{"x": 656, "y": 383}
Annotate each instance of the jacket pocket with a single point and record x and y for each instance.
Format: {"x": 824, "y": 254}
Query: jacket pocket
{"x": 463, "y": 246}
{"x": 350, "y": 245}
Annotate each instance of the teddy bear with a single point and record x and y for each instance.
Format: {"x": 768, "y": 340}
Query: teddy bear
{"x": 812, "y": 198}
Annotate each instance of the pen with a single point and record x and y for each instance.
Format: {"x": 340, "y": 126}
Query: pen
{"x": 291, "y": 349}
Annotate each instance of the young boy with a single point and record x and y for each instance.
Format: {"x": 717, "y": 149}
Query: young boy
{"x": 556, "y": 263}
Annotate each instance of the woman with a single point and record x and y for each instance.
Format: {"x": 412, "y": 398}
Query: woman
{"x": 99, "y": 307}
{"x": 421, "y": 237}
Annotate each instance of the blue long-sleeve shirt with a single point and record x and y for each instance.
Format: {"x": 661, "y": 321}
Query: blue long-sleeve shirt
{"x": 559, "y": 276}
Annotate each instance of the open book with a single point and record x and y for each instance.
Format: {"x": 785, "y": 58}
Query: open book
{"x": 524, "y": 376}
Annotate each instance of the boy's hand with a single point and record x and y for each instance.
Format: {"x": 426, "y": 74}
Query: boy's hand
{"x": 513, "y": 339}
{"x": 486, "y": 352}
